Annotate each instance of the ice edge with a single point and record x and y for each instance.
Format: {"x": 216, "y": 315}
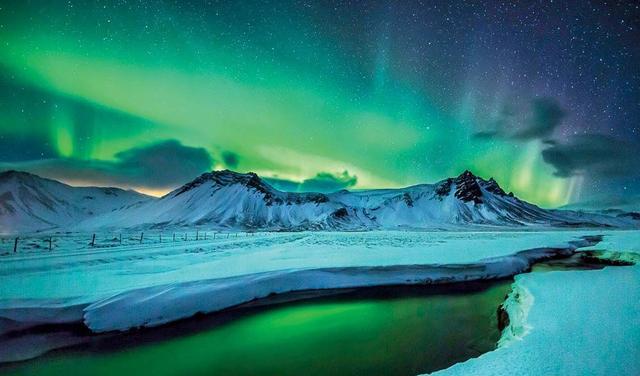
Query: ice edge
{"x": 517, "y": 307}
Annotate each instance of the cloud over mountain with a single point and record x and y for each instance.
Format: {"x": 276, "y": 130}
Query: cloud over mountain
{"x": 161, "y": 165}
{"x": 322, "y": 182}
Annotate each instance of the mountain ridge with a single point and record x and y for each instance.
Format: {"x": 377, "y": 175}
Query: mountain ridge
{"x": 29, "y": 202}
{"x": 226, "y": 199}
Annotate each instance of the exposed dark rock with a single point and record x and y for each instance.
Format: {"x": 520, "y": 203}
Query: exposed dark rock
{"x": 317, "y": 198}
{"x": 492, "y": 186}
{"x": 503, "y": 317}
{"x": 444, "y": 188}
{"x": 467, "y": 188}
{"x": 407, "y": 199}
{"x": 609, "y": 259}
{"x": 340, "y": 213}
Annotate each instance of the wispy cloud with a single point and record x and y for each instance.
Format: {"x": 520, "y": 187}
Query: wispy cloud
{"x": 536, "y": 119}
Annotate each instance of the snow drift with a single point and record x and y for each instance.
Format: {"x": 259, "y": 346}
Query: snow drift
{"x": 157, "y": 305}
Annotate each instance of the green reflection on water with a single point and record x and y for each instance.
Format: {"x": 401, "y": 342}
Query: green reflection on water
{"x": 400, "y": 333}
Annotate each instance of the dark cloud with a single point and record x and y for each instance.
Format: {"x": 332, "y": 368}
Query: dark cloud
{"x": 326, "y": 182}
{"x": 162, "y": 165}
{"x": 230, "y": 159}
{"x": 593, "y": 155}
{"x": 323, "y": 182}
{"x": 546, "y": 114}
{"x": 536, "y": 119}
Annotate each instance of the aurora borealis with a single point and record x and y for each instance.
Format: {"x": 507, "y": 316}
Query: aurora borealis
{"x": 324, "y": 95}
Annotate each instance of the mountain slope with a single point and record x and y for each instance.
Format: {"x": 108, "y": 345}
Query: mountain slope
{"x": 226, "y": 199}
{"x": 230, "y": 200}
{"x": 29, "y": 202}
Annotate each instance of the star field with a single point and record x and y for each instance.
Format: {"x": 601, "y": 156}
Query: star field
{"x": 543, "y": 96}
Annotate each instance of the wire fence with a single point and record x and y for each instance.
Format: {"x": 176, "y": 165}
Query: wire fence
{"x": 76, "y": 241}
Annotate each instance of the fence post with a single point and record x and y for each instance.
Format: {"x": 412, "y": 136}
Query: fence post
{"x": 185, "y": 236}
{"x": 160, "y": 237}
{"x": 120, "y": 238}
{"x": 93, "y": 240}
{"x": 141, "y": 236}
{"x": 49, "y": 242}
{"x": 197, "y": 235}
{"x": 174, "y": 236}
{"x": 15, "y": 245}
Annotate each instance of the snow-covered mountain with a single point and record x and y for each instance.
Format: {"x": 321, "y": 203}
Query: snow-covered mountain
{"x": 226, "y": 199}
{"x": 29, "y": 202}
{"x": 231, "y": 200}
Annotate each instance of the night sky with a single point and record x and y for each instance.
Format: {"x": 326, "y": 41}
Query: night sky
{"x": 543, "y": 97}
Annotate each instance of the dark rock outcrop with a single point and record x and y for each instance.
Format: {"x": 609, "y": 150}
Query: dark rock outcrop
{"x": 467, "y": 188}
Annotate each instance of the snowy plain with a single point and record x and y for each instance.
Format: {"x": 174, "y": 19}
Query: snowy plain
{"x": 570, "y": 322}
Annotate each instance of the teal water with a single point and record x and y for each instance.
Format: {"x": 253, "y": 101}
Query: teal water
{"x": 388, "y": 331}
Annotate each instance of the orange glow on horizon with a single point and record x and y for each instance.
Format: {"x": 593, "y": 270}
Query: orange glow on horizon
{"x": 155, "y": 192}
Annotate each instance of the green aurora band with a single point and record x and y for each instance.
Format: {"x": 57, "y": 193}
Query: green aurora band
{"x": 274, "y": 91}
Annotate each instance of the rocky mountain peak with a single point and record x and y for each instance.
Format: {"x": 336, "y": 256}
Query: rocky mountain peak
{"x": 225, "y": 178}
{"x": 466, "y": 175}
{"x": 467, "y": 187}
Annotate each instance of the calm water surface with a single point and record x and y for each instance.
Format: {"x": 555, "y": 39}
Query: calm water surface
{"x": 387, "y": 331}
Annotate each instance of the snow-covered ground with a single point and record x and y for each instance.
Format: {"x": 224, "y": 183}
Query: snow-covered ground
{"x": 41, "y": 286}
{"x": 570, "y": 322}
{"x": 565, "y": 322}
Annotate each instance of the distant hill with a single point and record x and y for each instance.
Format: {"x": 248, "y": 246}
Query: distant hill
{"x": 29, "y": 202}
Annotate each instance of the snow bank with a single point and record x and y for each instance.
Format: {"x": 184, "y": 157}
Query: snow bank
{"x": 575, "y": 322}
{"x": 149, "y": 285}
{"x": 517, "y": 306}
{"x": 162, "y": 304}
{"x": 158, "y": 305}
{"x": 18, "y": 315}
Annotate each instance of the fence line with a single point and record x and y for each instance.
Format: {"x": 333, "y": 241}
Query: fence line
{"x": 77, "y": 241}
